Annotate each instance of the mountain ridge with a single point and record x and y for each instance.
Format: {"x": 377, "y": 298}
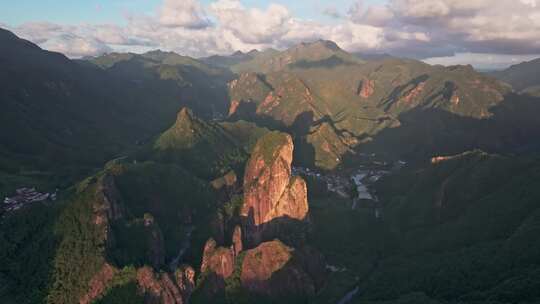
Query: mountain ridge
{"x": 523, "y": 76}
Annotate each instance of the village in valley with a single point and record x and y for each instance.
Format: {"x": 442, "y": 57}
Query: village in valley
{"x": 361, "y": 178}
{"x": 26, "y": 196}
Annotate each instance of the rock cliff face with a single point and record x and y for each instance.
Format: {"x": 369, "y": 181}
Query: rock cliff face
{"x": 185, "y": 279}
{"x": 217, "y": 260}
{"x": 367, "y": 88}
{"x": 217, "y": 266}
{"x": 270, "y": 192}
{"x": 99, "y": 284}
{"x": 274, "y": 203}
{"x": 108, "y": 206}
{"x": 272, "y": 269}
{"x": 237, "y": 245}
{"x": 162, "y": 289}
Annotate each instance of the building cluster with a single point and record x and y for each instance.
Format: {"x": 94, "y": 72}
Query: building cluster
{"x": 25, "y": 196}
{"x": 340, "y": 184}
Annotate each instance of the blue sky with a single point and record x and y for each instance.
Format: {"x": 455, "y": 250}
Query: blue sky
{"x": 72, "y": 12}
{"x": 112, "y": 11}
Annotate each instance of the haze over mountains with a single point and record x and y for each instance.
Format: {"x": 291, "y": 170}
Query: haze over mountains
{"x": 236, "y": 179}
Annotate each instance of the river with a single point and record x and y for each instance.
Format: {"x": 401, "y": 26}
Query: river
{"x": 186, "y": 243}
{"x": 348, "y": 297}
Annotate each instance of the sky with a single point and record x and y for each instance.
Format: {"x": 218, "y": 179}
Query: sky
{"x": 484, "y": 33}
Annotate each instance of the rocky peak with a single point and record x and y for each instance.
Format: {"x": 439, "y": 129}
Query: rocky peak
{"x": 159, "y": 287}
{"x": 272, "y": 269}
{"x": 238, "y": 54}
{"x": 253, "y": 52}
{"x": 320, "y": 44}
{"x": 187, "y": 131}
{"x": 185, "y": 279}
{"x": 217, "y": 260}
{"x": 185, "y": 118}
{"x": 270, "y": 191}
{"x": 108, "y": 206}
{"x": 217, "y": 265}
{"x": 99, "y": 283}
{"x": 366, "y": 88}
{"x": 237, "y": 245}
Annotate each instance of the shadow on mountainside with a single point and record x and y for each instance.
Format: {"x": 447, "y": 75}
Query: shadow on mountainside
{"x": 304, "y": 152}
{"x": 175, "y": 86}
{"x": 293, "y": 232}
{"x": 424, "y": 133}
{"x": 328, "y": 63}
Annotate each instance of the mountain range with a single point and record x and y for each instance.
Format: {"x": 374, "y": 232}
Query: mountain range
{"x": 305, "y": 175}
{"x": 523, "y": 77}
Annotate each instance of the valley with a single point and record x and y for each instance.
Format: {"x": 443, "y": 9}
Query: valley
{"x": 302, "y": 175}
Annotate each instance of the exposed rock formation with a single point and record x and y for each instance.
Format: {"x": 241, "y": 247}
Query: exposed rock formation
{"x": 185, "y": 279}
{"x": 270, "y": 193}
{"x": 271, "y": 269}
{"x": 274, "y": 203}
{"x": 237, "y": 246}
{"x": 440, "y": 159}
{"x": 99, "y": 284}
{"x": 108, "y": 206}
{"x": 233, "y": 107}
{"x": 209, "y": 248}
{"x": 367, "y": 88}
{"x": 218, "y": 260}
{"x": 161, "y": 289}
{"x": 413, "y": 93}
{"x": 217, "y": 265}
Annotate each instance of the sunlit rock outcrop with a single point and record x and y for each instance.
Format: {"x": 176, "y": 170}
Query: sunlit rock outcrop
{"x": 271, "y": 193}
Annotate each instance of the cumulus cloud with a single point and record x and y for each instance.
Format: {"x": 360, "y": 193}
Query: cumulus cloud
{"x": 183, "y": 13}
{"x": 412, "y": 28}
{"x": 375, "y": 15}
{"x": 431, "y": 28}
{"x": 253, "y": 26}
{"x": 75, "y": 46}
{"x": 63, "y": 39}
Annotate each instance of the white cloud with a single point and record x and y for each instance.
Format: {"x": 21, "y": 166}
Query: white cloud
{"x": 414, "y": 28}
{"x": 378, "y": 15}
{"x": 375, "y": 15}
{"x": 63, "y": 39}
{"x": 531, "y": 3}
{"x": 421, "y": 8}
{"x": 183, "y": 13}
{"x": 443, "y": 27}
{"x": 76, "y": 46}
{"x": 253, "y": 26}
